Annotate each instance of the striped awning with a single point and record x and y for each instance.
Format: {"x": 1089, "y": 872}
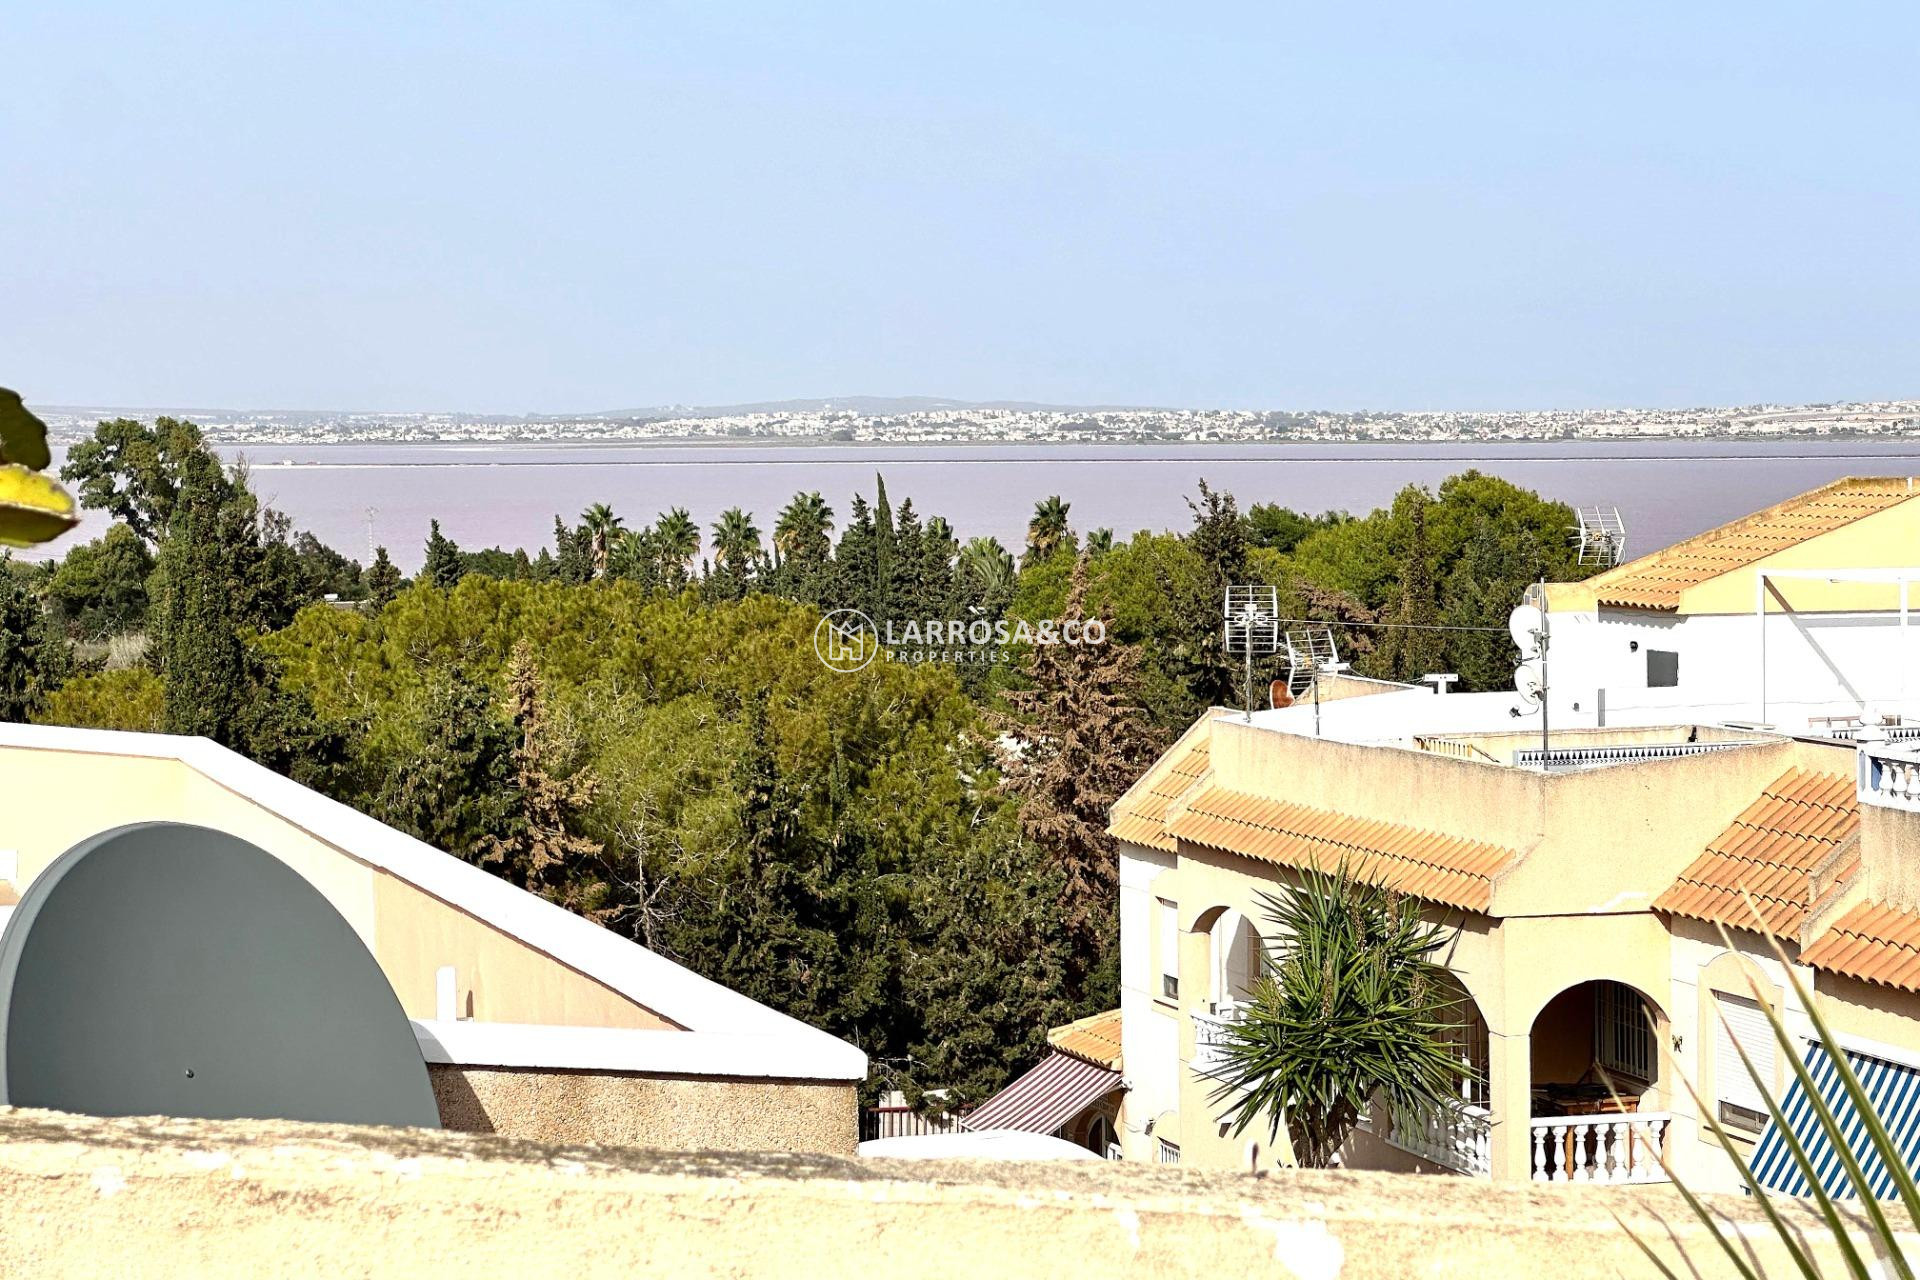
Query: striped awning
{"x": 1045, "y": 1098}
{"x": 1895, "y": 1092}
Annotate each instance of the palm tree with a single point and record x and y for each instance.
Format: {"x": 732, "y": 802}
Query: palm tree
{"x": 603, "y": 525}
{"x": 1100, "y": 541}
{"x": 989, "y": 564}
{"x": 1351, "y": 1007}
{"x": 632, "y": 555}
{"x": 807, "y": 522}
{"x": 1048, "y": 528}
{"x": 736, "y": 542}
{"x": 677, "y": 538}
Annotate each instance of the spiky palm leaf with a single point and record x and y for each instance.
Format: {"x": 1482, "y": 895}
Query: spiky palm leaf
{"x": 1885, "y": 1253}
{"x": 1349, "y": 1007}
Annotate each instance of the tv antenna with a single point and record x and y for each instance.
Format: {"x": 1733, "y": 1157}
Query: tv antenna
{"x": 1310, "y": 655}
{"x": 371, "y": 512}
{"x": 1600, "y": 536}
{"x": 1251, "y": 628}
{"x": 1528, "y": 627}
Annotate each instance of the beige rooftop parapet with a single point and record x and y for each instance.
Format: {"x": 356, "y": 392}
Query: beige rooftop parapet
{"x": 210, "y": 1199}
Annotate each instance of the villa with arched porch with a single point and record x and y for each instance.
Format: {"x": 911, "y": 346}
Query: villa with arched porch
{"x": 1580, "y": 920}
{"x": 1732, "y": 766}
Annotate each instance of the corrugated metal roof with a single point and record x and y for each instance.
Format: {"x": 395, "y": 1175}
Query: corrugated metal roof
{"x": 1139, "y": 816}
{"x": 1045, "y": 1098}
{"x": 1095, "y": 1038}
{"x": 1656, "y": 581}
{"x": 1427, "y": 864}
{"x": 1802, "y": 822}
{"x": 1872, "y": 942}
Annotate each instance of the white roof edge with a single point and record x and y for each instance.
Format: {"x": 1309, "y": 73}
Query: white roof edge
{"x": 689, "y": 1053}
{"x": 645, "y": 977}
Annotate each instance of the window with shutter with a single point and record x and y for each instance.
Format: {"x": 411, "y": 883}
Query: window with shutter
{"x": 1742, "y": 1021}
{"x": 1623, "y": 1033}
{"x": 1169, "y": 930}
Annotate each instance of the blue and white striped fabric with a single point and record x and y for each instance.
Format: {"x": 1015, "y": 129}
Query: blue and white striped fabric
{"x": 1895, "y": 1092}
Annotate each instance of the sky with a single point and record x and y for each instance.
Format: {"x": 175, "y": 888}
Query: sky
{"x": 562, "y": 207}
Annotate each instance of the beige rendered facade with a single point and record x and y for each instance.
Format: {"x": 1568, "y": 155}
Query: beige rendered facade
{"x": 533, "y": 1022}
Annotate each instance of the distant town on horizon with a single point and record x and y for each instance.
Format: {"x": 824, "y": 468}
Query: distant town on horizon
{"x": 929, "y": 420}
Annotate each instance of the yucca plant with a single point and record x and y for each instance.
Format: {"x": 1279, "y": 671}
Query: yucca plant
{"x": 1349, "y": 1006}
{"x": 1883, "y": 1254}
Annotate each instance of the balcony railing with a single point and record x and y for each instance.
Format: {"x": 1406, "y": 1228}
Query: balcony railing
{"x": 1889, "y": 777}
{"x": 1461, "y": 1140}
{"x": 1610, "y": 1148}
{"x": 1560, "y": 758}
{"x": 1210, "y": 1039}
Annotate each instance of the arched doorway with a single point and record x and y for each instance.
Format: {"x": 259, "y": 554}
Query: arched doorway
{"x": 1597, "y": 1088}
{"x": 1458, "y": 1138}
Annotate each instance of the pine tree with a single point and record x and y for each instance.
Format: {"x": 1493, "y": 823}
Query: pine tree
{"x": 32, "y": 656}
{"x": 444, "y": 567}
{"x": 1084, "y": 741}
{"x": 454, "y": 790}
{"x": 544, "y": 852}
{"x": 383, "y": 580}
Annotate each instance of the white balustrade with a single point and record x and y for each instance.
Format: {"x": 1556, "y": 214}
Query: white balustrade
{"x": 1890, "y": 777}
{"x": 1624, "y": 1147}
{"x": 1210, "y": 1039}
{"x": 1459, "y": 1139}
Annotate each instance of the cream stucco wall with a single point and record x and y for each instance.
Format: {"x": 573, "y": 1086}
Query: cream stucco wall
{"x": 411, "y": 933}
{"x": 212, "y": 1200}
{"x": 671, "y": 1113}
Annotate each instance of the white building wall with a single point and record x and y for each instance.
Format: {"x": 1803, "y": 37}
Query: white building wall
{"x": 1815, "y": 665}
{"x": 1149, "y": 1042}
{"x": 1696, "y": 946}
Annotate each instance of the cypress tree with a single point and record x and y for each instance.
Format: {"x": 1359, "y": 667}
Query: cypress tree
{"x": 444, "y": 567}
{"x": 383, "y": 580}
{"x": 201, "y": 652}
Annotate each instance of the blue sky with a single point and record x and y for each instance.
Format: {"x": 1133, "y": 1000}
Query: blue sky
{"x": 563, "y": 206}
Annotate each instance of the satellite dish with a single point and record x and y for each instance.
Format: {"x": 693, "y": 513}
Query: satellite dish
{"x": 164, "y": 969}
{"x": 1524, "y": 624}
{"x": 1527, "y": 683}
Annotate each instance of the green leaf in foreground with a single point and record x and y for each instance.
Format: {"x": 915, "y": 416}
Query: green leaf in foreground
{"x": 33, "y": 508}
{"x": 23, "y": 437}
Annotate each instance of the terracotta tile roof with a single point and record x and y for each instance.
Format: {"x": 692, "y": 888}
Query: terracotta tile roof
{"x": 1140, "y": 815}
{"x": 1094, "y": 1039}
{"x": 1872, "y": 942}
{"x": 1437, "y": 867}
{"x": 1656, "y": 581}
{"x": 1802, "y": 822}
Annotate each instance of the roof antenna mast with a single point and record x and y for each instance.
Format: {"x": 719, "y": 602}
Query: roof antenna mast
{"x": 1528, "y": 627}
{"x": 1600, "y": 536}
{"x": 1251, "y": 629}
{"x": 1311, "y": 655}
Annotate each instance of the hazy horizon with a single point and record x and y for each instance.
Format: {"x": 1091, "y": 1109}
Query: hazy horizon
{"x": 570, "y": 209}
